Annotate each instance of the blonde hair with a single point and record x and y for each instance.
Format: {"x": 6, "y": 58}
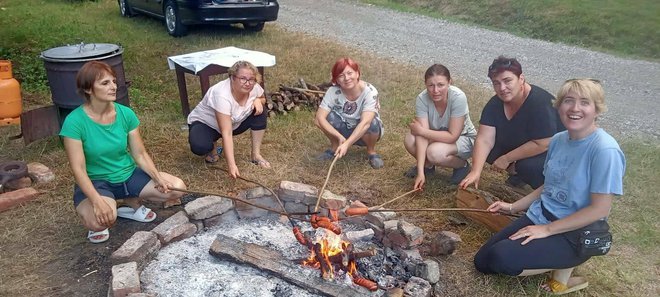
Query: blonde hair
{"x": 585, "y": 87}
{"x": 233, "y": 70}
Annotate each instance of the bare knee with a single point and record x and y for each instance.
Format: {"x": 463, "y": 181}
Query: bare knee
{"x": 409, "y": 143}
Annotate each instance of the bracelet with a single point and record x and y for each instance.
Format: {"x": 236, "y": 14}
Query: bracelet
{"x": 510, "y": 207}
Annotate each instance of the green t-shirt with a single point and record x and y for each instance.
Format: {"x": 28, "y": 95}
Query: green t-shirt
{"x": 105, "y": 146}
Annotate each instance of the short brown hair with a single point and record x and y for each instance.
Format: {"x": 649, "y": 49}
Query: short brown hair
{"x": 437, "y": 69}
{"x": 89, "y": 73}
{"x": 502, "y": 64}
{"x": 585, "y": 87}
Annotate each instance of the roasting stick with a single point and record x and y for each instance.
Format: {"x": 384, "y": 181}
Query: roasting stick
{"x": 327, "y": 177}
{"x": 290, "y": 215}
{"x": 364, "y": 210}
{"x": 397, "y": 198}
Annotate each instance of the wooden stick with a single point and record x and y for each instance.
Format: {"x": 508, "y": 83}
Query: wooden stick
{"x": 327, "y": 177}
{"x": 397, "y": 198}
{"x": 364, "y": 210}
{"x": 294, "y": 89}
{"x": 244, "y": 201}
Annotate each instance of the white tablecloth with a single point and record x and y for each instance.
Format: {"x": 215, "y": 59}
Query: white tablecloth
{"x": 225, "y": 56}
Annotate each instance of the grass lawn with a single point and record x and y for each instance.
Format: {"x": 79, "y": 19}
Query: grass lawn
{"x": 624, "y": 27}
{"x": 35, "y": 236}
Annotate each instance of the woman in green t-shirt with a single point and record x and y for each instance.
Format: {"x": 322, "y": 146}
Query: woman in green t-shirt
{"x": 108, "y": 158}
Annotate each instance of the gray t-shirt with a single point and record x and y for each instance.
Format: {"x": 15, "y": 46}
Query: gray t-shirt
{"x": 457, "y": 106}
{"x": 351, "y": 111}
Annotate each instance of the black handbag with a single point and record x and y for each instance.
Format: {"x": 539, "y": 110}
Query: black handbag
{"x": 594, "y": 239}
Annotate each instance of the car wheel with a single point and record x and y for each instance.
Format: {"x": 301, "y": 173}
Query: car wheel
{"x": 173, "y": 20}
{"x": 254, "y": 27}
{"x": 125, "y": 9}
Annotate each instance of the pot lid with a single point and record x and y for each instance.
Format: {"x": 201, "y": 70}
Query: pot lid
{"x": 80, "y": 51}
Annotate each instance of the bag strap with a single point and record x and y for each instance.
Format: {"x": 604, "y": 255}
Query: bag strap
{"x": 546, "y": 213}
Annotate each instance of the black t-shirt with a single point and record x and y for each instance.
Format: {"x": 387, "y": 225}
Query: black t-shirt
{"x": 536, "y": 119}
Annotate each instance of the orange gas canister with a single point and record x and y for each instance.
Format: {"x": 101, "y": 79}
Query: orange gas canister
{"x": 10, "y": 96}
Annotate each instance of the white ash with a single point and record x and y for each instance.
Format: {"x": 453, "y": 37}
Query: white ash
{"x": 186, "y": 268}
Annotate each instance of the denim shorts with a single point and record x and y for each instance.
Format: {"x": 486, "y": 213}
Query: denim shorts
{"x": 130, "y": 188}
{"x": 335, "y": 120}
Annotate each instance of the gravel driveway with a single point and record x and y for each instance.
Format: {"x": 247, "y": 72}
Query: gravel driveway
{"x": 632, "y": 86}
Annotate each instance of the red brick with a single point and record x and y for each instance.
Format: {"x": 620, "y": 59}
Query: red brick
{"x": 14, "y": 198}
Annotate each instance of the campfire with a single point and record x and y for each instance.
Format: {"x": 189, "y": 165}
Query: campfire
{"x": 331, "y": 254}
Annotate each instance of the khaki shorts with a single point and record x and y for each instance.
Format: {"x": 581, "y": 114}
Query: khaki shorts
{"x": 465, "y": 144}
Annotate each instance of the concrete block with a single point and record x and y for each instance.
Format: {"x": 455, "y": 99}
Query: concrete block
{"x": 412, "y": 255}
{"x": 296, "y": 207}
{"x": 226, "y": 218}
{"x": 19, "y": 183}
{"x": 176, "y": 227}
{"x": 297, "y": 192}
{"x": 414, "y": 234}
{"x": 208, "y": 206}
{"x": 444, "y": 243}
{"x": 356, "y": 236}
{"x": 141, "y": 248}
{"x": 378, "y": 231}
{"x": 379, "y": 218}
{"x": 125, "y": 279}
{"x": 333, "y": 201}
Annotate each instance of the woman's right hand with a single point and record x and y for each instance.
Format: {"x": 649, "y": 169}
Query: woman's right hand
{"x": 233, "y": 171}
{"x": 419, "y": 182}
{"x": 500, "y": 206}
{"x": 104, "y": 213}
{"x": 471, "y": 178}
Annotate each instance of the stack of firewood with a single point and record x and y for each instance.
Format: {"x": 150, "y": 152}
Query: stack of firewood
{"x": 294, "y": 98}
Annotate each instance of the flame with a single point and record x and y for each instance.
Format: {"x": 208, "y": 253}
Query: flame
{"x": 331, "y": 244}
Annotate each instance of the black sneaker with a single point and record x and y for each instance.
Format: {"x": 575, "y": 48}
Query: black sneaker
{"x": 515, "y": 181}
{"x": 412, "y": 172}
{"x": 460, "y": 173}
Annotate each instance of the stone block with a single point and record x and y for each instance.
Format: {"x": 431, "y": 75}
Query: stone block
{"x": 296, "y": 207}
{"x": 357, "y": 236}
{"x": 378, "y": 231}
{"x": 199, "y": 224}
{"x": 141, "y": 248}
{"x": 412, "y": 255}
{"x": 414, "y": 234}
{"x": 264, "y": 201}
{"x": 394, "y": 239}
{"x": 172, "y": 202}
{"x": 332, "y": 201}
{"x": 40, "y": 173}
{"x": 174, "y": 228}
{"x": 15, "y": 198}
{"x": 417, "y": 287}
{"x": 208, "y": 206}
{"x": 444, "y": 243}
{"x": 356, "y": 221}
{"x": 428, "y": 270}
{"x": 379, "y": 218}
{"x": 394, "y": 292}
{"x": 256, "y": 192}
{"x": 297, "y": 192}
{"x": 141, "y": 295}
{"x": 125, "y": 279}
{"x": 226, "y": 218}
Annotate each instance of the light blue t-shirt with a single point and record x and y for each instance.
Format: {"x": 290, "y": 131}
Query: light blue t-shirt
{"x": 576, "y": 168}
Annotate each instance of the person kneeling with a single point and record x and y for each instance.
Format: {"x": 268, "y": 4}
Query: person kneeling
{"x": 583, "y": 172}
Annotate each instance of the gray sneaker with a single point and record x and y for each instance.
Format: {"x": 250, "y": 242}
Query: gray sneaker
{"x": 326, "y": 156}
{"x": 412, "y": 172}
{"x": 460, "y": 173}
{"x": 376, "y": 161}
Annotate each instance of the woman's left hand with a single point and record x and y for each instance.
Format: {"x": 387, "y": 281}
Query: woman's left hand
{"x": 416, "y": 128}
{"x": 342, "y": 149}
{"x": 258, "y": 107}
{"x": 531, "y": 232}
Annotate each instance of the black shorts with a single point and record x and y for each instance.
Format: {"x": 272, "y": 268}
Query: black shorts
{"x": 130, "y": 188}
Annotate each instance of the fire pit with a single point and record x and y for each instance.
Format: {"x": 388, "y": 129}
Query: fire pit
{"x": 244, "y": 251}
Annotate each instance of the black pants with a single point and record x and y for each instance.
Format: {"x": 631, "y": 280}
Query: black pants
{"x": 505, "y": 256}
{"x": 201, "y": 137}
{"x": 530, "y": 170}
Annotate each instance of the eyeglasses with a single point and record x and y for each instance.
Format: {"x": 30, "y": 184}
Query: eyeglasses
{"x": 496, "y": 65}
{"x": 593, "y": 80}
{"x": 245, "y": 80}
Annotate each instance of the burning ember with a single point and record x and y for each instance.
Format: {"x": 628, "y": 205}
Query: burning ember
{"x": 331, "y": 254}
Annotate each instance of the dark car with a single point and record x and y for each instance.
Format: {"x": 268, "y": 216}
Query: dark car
{"x": 178, "y": 14}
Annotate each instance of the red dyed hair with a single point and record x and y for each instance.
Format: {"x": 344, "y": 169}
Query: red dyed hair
{"x": 340, "y": 65}
{"x": 89, "y": 73}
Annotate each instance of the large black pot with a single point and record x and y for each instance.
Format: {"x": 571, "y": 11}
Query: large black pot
{"x": 62, "y": 65}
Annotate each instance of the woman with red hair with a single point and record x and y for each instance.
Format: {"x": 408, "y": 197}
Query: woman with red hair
{"x": 348, "y": 114}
